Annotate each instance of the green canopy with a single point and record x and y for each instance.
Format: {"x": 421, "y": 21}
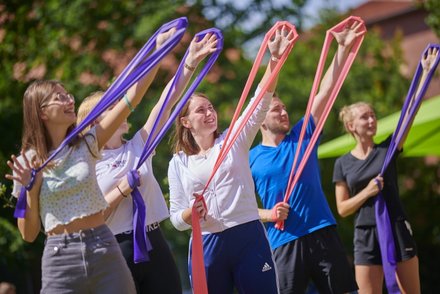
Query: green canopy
{"x": 423, "y": 138}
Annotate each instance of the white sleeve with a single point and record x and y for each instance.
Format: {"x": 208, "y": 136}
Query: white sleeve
{"x": 17, "y": 185}
{"x": 16, "y": 189}
{"x": 250, "y": 129}
{"x": 178, "y": 200}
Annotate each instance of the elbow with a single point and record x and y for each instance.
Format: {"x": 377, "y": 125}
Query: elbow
{"x": 343, "y": 212}
{"x": 178, "y": 222}
{"x": 27, "y": 233}
{"x": 27, "y": 237}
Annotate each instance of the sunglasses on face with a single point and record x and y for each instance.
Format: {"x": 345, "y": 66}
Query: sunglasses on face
{"x": 60, "y": 99}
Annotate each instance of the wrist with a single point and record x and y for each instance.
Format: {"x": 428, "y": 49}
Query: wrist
{"x": 123, "y": 193}
{"x": 275, "y": 58}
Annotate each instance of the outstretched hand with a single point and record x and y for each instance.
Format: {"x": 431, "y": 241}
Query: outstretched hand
{"x": 348, "y": 36}
{"x": 163, "y": 37}
{"x": 21, "y": 173}
{"x": 281, "y": 41}
{"x": 429, "y": 59}
{"x": 199, "y": 49}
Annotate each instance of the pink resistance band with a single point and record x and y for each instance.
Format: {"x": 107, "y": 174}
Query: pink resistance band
{"x": 198, "y": 265}
{"x": 295, "y": 172}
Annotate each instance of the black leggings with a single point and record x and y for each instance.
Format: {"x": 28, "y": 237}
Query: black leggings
{"x": 160, "y": 273}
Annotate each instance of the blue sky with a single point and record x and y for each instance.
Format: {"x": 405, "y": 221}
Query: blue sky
{"x": 313, "y": 6}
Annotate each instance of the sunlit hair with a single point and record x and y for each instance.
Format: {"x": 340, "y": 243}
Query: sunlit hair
{"x": 35, "y": 136}
{"x": 347, "y": 113}
{"x": 182, "y": 139}
{"x": 86, "y": 107}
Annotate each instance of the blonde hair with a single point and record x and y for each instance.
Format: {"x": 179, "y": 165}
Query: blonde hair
{"x": 347, "y": 114}
{"x": 182, "y": 139}
{"x": 35, "y": 135}
{"x": 86, "y": 107}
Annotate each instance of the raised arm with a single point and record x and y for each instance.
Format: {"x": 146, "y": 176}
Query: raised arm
{"x": 282, "y": 40}
{"x": 109, "y": 124}
{"x": 427, "y": 64}
{"x": 345, "y": 40}
{"x": 198, "y": 50}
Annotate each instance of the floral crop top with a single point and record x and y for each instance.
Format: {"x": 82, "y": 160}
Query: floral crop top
{"x": 69, "y": 189}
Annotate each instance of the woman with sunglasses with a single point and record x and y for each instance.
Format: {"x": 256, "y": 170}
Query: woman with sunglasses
{"x": 159, "y": 274}
{"x": 81, "y": 254}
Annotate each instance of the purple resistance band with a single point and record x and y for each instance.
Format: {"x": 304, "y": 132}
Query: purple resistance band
{"x": 141, "y": 242}
{"x": 383, "y": 224}
{"x": 139, "y": 66}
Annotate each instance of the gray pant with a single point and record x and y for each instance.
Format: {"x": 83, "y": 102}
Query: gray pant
{"x": 86, "y": 262}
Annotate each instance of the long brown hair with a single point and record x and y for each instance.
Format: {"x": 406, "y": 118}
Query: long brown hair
{"x": 182, "y": 139}
{"x": 35, "y": 136}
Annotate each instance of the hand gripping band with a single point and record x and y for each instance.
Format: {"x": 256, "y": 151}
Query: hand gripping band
{"x": 198, "y": 267}
{"x": 140, "y": 240}
{"x": 297, "y": 167}
{"x": 139, "y": 66}
{"x": 383, "y": 224}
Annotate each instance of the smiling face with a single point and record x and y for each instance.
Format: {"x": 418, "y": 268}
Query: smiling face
{"x": 277, "y": 118}
{"x": 58, "y": 108}
{"x": 363, "y": 123}
{"x": 201, "y": 117}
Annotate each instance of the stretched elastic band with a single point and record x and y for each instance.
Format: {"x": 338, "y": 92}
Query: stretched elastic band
{"x": 299, "y": 164}
{"x": 141, "y": 244}
{"x": 198, "y": 267}
{"x": 140, "y": 65}
{"x": 383, "y": 224}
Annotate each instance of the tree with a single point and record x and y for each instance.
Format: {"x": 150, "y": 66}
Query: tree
{"x": 433, "y": 19}
{"x": 86, "y": 43}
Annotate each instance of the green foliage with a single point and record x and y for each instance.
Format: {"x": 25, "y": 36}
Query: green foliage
{"x": 11, "y": 242}
{"x": 246, "y": 20}
{"x": 86, "y": 43}
{"x": 433, "y": 19}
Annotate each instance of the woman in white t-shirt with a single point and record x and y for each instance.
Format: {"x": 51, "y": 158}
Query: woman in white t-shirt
{"x": 236, "y": 249}
{"x": 119, "y": 157}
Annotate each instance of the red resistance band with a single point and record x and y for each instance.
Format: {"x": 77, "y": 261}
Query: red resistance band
{"x": 296, "y": 171}
{"x": 198, "y": 266}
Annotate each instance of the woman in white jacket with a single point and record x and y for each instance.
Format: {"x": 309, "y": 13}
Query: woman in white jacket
{"x": 236, "y": 250}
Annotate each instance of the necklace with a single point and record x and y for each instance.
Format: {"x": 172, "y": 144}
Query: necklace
{"x": 204, "y": 153}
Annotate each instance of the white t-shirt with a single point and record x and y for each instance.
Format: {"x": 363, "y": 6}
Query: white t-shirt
{"x": 230, "y": 197}
{"x": 114, "y": 166}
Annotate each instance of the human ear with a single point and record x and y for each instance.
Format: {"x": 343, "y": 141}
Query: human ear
{"x": 43, "y": 115}
{"x": 350, "y": 127}
{"x": 185, "y": 122}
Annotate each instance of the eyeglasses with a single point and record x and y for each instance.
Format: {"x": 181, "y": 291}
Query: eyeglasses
{"x": 60, "y": 99}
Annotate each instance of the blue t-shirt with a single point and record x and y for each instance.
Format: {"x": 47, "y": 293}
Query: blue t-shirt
{"x": 309, "y": 210}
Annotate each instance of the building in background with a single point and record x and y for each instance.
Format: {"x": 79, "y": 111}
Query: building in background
{"x": 407, "y": 19}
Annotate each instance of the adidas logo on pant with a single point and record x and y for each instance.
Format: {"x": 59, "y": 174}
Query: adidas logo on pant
{"x": 266, "y": 267}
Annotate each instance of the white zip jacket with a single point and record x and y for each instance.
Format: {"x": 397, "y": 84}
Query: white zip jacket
{"x": 230, "y": 197}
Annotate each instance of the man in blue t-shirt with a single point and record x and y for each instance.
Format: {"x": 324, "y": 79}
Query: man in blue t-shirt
{"x": 309, "y": 246}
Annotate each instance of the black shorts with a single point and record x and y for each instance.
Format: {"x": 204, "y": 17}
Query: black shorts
{"x": 318, "y": 256}
{"x": 160, "y": 273}
{"x": 366, "y": 244}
